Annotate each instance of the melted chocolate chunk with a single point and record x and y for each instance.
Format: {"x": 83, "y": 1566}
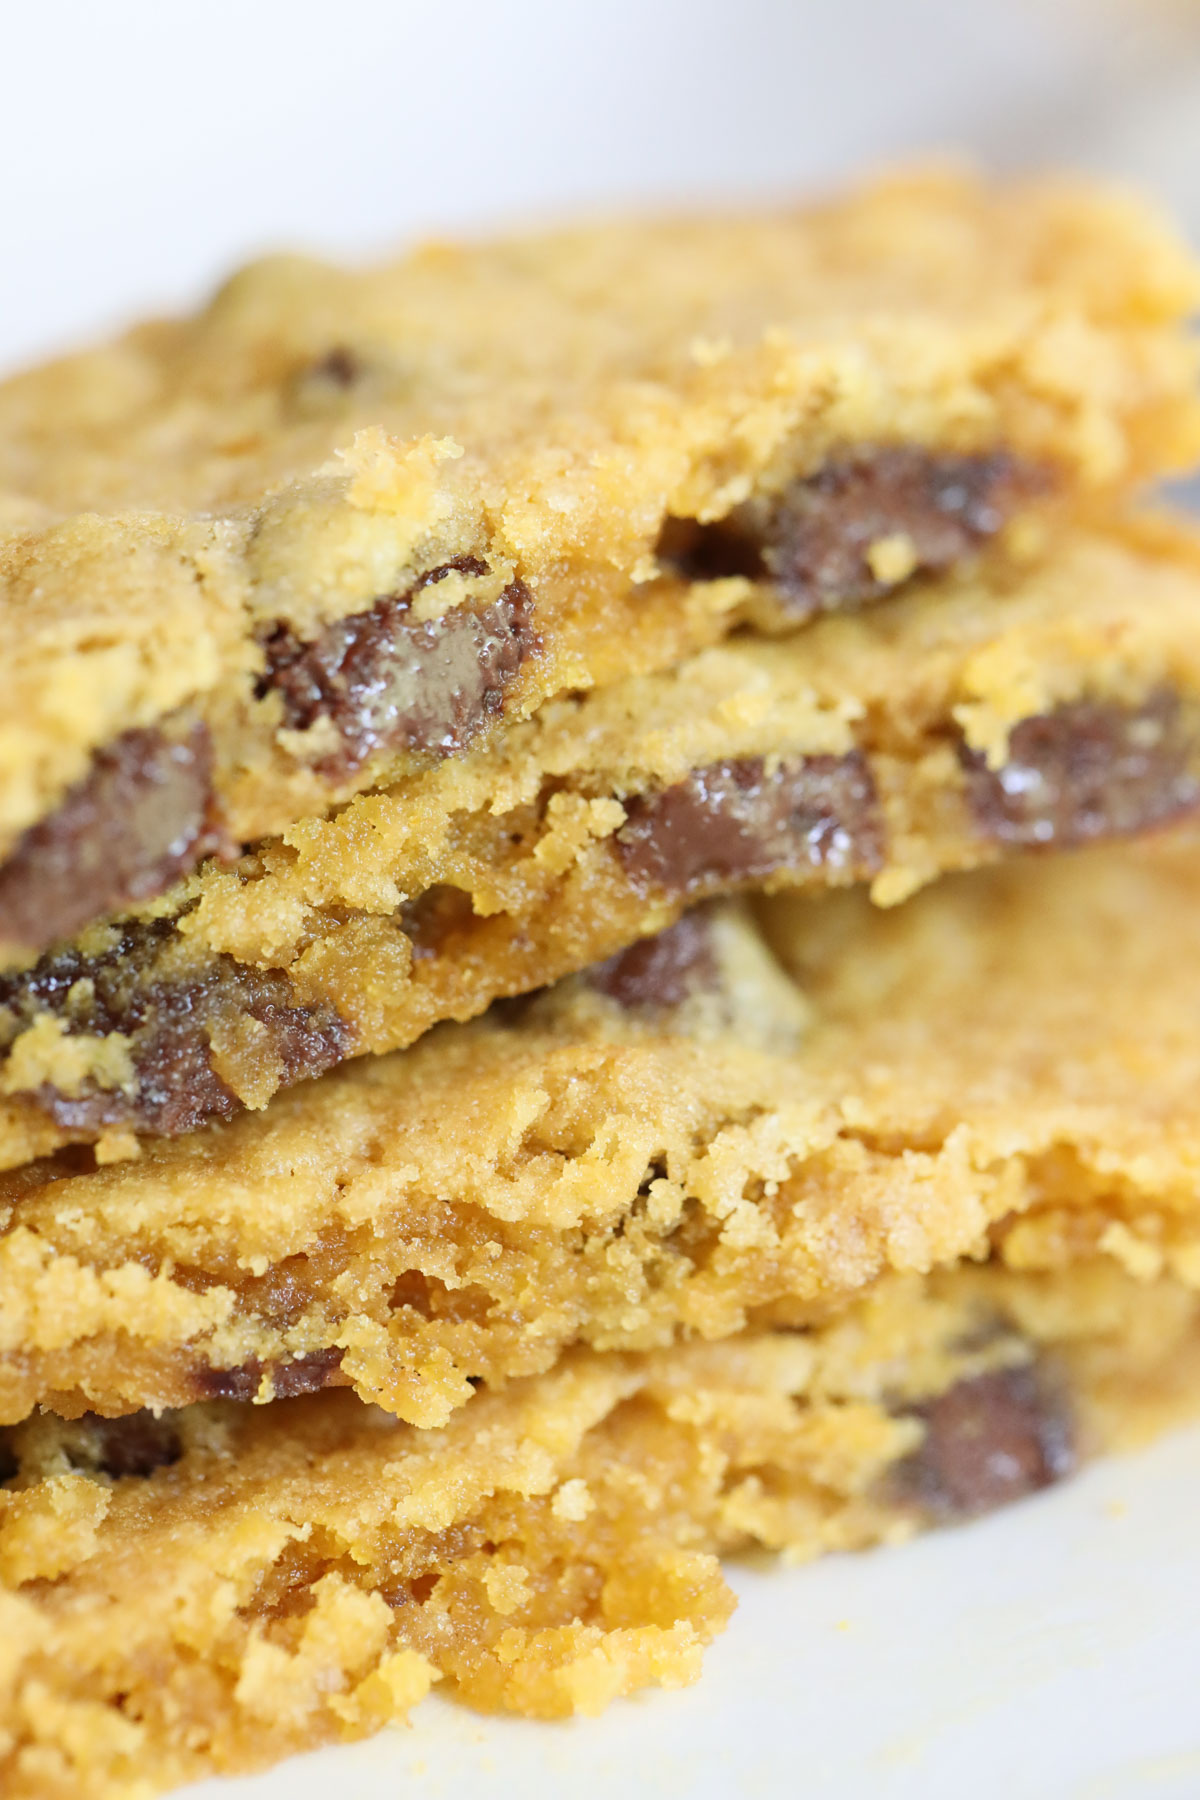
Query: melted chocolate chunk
{"x": 988, "y": 1440}
{"x": 736, "y": 822}
{"x": 241, "y": 1383}
{"x": 306, "y": 1375}
{"x": 813, "y": 541}
{"x": 136, "y": 1445}
{"x": 662, "y": 970}
{"x": 1090, "y": 769}
{"x": 339, "y": 366}
{"x": 387, "y": 681}
{"x": 325, "y": 386}
{"x": 144, "y": 815}
{"x": 168, "y": 1022}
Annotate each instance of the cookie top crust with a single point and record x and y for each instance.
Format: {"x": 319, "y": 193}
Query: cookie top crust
{"x": 506, "y": 343}
{"x": 191, "y": 509}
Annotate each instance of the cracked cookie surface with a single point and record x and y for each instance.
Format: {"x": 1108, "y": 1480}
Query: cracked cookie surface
{"x": 341, "y": 525}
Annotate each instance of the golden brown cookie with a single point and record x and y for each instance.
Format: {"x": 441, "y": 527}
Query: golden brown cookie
{"x": 209, "y": 1590}
{"x": 964, "y": 720}
{"x": 662, "y": 1148}
{"x": 336, "y": 528}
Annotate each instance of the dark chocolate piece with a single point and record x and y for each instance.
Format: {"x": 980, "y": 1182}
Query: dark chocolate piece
{"x": 339, "y": 366}
{"x": 387, "y": 681}
{"x": 813, "y": 540}
{"x": 1090, "y": 769}
{"x": 988, "y": 1440}
{"x": 168, "y": 1022}
{"x": 143, "y": 816}
{"x": 660, "y": 971}
{"x": 305, "y": 1375}
{"x": 327, "y": 384}
{"x": 741, "y": 821}
{"x": 136, "y": 1445}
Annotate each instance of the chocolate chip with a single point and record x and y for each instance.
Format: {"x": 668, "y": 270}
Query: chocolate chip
{"x": 240, "y": 1383}
{"x": 663, "y": 970}
{"x": 305, "y": 1375}
{"x": 814, "y": 540}
{"x": 741, "y": 821}
{"x": 1088, "y": 770}
{"x": 129, "y": 1448}
{"x": 134, "y": 1446}
{"x": 168, "y": 1022}
{"x": 143, "y": 815}
{"x": 387, "y": 681}
{"x": 988, "y": 1440}
{"x": 339, "y": 366}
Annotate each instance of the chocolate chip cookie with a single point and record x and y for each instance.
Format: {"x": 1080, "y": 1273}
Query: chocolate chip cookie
{"x": 343, "y": 525}
{"x": 965, "y": 720}
{"x": 666, "y": 1146}
{"x": 215, "y": 1588}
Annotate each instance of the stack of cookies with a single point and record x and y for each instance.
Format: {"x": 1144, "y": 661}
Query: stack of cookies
{"x": 535, "y": 1050}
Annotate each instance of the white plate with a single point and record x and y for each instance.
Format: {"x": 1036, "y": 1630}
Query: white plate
{"x": 1047, "y": 1653}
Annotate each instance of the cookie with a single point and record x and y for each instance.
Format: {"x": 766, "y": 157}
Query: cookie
{"x": 662, "y": 1148}
{"x": 960, "y": 722}
{"x": 212, "y": 1589}
{"x": 343, "y": 526}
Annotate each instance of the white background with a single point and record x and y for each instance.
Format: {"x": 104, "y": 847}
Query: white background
{"x": 147, "y": 146}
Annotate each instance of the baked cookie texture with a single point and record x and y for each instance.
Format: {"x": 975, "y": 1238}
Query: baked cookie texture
{"x": 1044, "y": 707}
{"x": 212, "y": 1589}
{"x": 568, "y": 614}
{"x": 680, "y": 1143}
{"x": 330, "y": 531}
